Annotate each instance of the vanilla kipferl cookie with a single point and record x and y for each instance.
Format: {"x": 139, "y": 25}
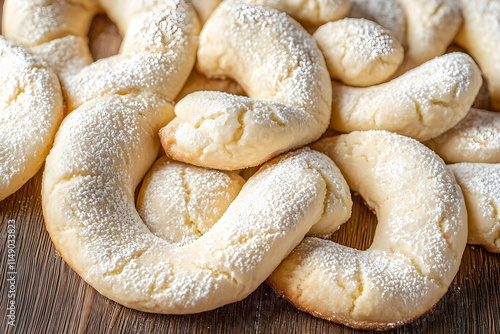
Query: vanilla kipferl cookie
{"x": 102, "y": 151}
{"x": 359, "y": 52}
{"x": 431, "y": 27}
{"x": 279, "y": 66}
{"x": 387, "y": 13}
{"x": 31, "y": 109}
{"x": 480, "y": 183}
{"x": 480, "y": 36}
{"x": 419, "y": 241}
{"x": 476, "y": 138}
{"x": 311, "y": 13}
{"x": 180, "y": 202}
{"x": 88, "y": 195}
{"x": 57, "y": 32}
{"x": 409, "y": 105}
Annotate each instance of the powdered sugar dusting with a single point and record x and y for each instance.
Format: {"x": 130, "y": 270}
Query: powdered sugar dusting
{"x": 475, "y": 139}
{"x": 480, "y": 183}
{"x": 479, "y": 130}
{"x": 123, "y": 256}
{"x": 479, "y": 35}
{"x": 482, "y": 178}
{"x": 287, "y": 83}
{"x": 232, "y": 130}
{"x": 387, "y": 13}
{"x": 386, "y": 281}
{"x": 431, "y": 27}
{"x": 100, "y": 154}
{"x": 291, "y": 62}
{"x": 311, "y": 13}
{"x": 371, "y": 42}
{"x": 359, "y": 52}
{"x": 156, "y": 55}
{"x": 417, "y": 247}
{"x": 147, "y": 59}
{"x": 408, "y": 105}
{"x": 31, "y": 108}
{"x": 103, "y": 149}
{"x": 34, "y": 22}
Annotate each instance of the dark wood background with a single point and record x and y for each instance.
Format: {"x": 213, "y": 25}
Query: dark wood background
{"x": 52, "y": 298}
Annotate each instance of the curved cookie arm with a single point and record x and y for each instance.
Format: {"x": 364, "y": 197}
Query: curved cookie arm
{"x": 422, "y": 104}
{"x": 431, "y": 27}
{"x": 418, "y": 245}
{"x": 88, "y": 190}
{"x": 310, "y": 13}
{"x": 476, "y": 138}
{"x": 289, "y": 102}
{"x": 55, "y": 30}
{"x": 145, "y": 61}
{"x": 480, "y": 36}
{"x": 180, "y": 202}
{"x": 31, "y": 109}
{"x": 480, "y": 184}
{"x": 34, "y": 22}
{"x": 150, "y": 29}
{"x": 231, "y": 132}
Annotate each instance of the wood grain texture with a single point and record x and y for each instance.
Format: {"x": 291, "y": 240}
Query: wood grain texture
{"x": 52, "y": 298}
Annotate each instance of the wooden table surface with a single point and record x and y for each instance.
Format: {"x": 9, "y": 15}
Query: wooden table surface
{"x": 52, "y": 298}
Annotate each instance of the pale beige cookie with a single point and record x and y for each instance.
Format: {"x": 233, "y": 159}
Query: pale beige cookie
{"x": 431, "y": 27}
{"x": 387, "y": 13}
{"x": 280, "y": 68}
{"x": 421, "y": 235}
{"x": 101, "y": 152}
{"x": 180, "y": 203}
{"x": 310, "y": 13}
{"x": 359, "y": 52}
{"x": 57, "y": 32}
{"x": 31, "y": 109}
{"x": 423, "y": 103}
{"x": 476, "y": 138}
{"x": 34, "y": 22}
{"x": 198, "y": 81}
{"x": 66, "y": 55}
{"x": 480, "y": 183}
{"x": 480, "y": 36}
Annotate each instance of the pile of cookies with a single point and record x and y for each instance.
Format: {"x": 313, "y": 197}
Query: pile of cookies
{"x": 238, "y": 197}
